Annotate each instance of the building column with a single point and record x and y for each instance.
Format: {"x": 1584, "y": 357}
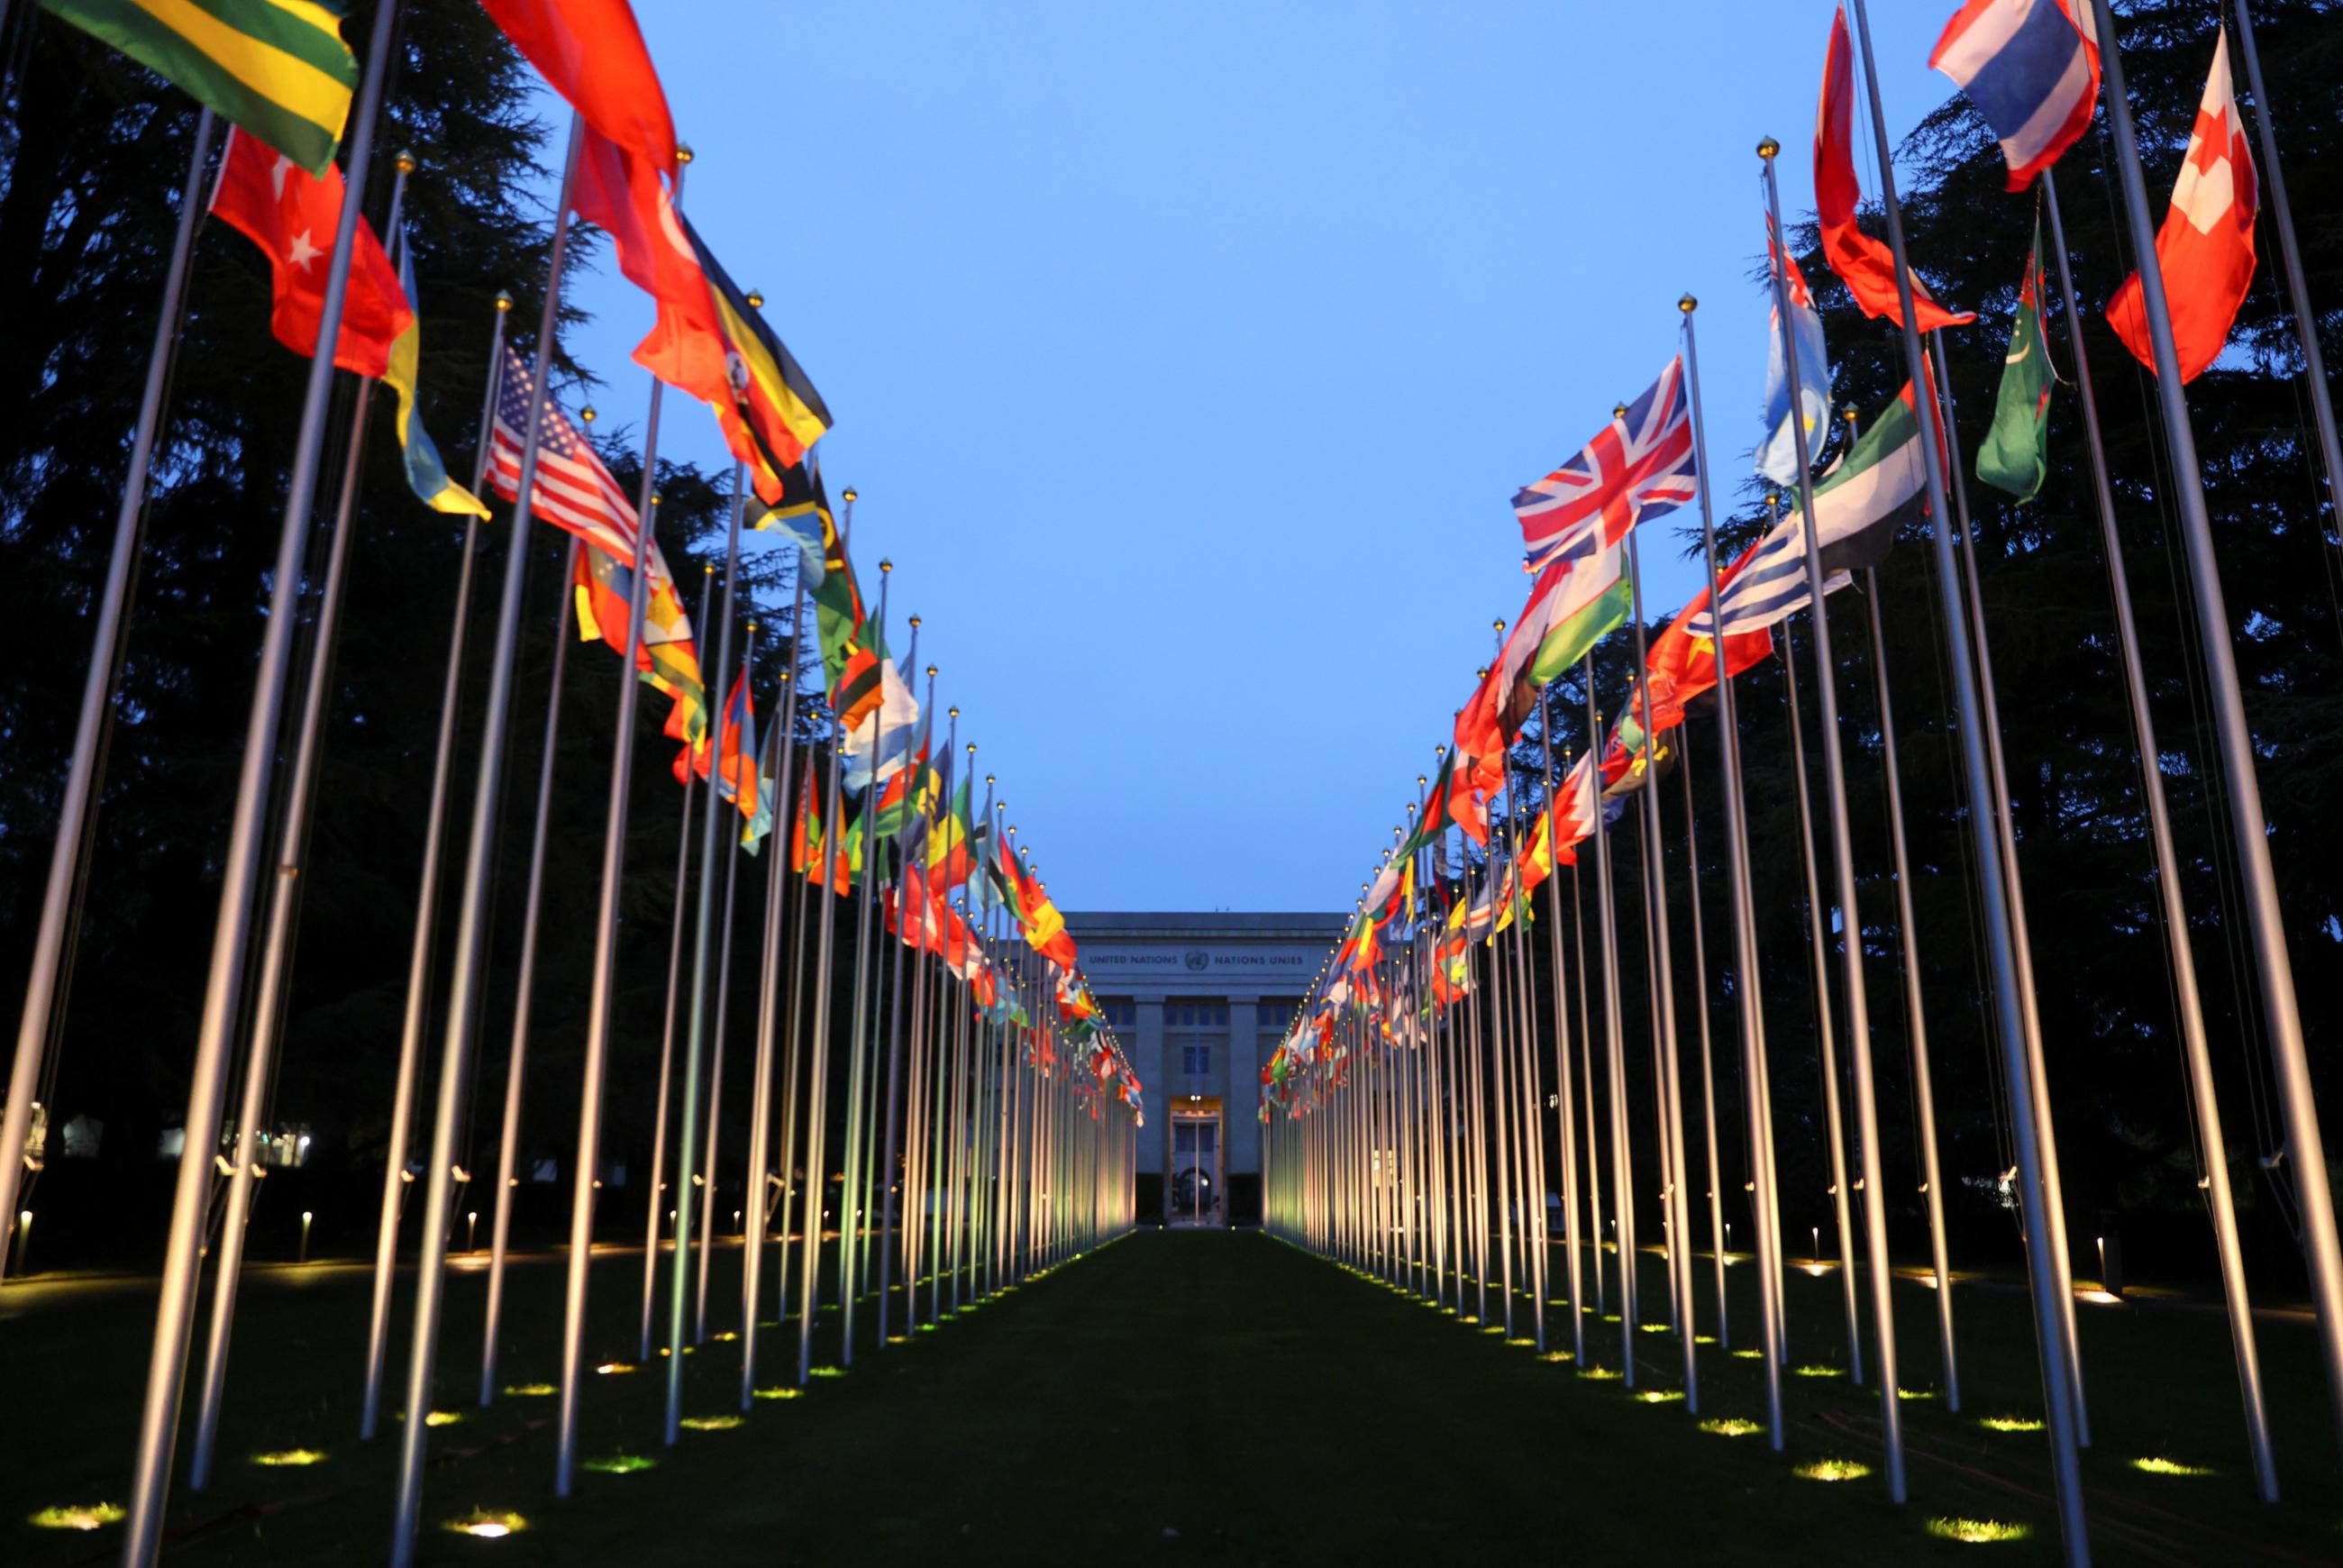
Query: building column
{"x": 1240, "y": 1101}
{"x": 1155, "y": 1073}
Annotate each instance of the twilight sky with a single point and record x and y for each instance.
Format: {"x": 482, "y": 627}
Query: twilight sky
{"x": 1186, "y": 357}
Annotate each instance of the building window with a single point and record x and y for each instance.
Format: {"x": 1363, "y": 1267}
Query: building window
{"x": 1196, "y": 1060}
{"x": 1196, "y": 1015}
{"x": 1119, "y": 1013}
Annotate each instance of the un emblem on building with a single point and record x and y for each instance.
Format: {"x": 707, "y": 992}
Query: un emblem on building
{"x": 1198, "y": 961}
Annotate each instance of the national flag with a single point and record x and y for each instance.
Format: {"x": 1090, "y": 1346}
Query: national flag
{"x": 666, "y": 659}
{"x": 768, "y": 771}
{"x": 1682, "y": 661}
{"x": 624, "y": 193}
{"x": 2032, "y": 69}
{"x": 591, "y": 53}
{"x": 769, "y": 409}
{"x": 2013, "y": 456}
{"x": 1433, "y": 821}
{"x": 947, "y": 846}
{"x": 1632, "y": 755}
{"x": 572, "y": 490}
{"x": 276, "y": 68}
{"x": 1640, "y": 464}
{"x": 293, "y": 217}
{"x": 1575, "y": 602}
{"x": 427, "y": 475}
{"x": 876, "y": 747}
{"x": 1577, "y": 801}
{"x": 1866, "y": 266}
{"x": 2206, "y": 248}
{"x": 1778, "y": 451}
{"x": 735, "y": 749}
{"x": 1860, "y": 505}
{"x": 807, "y": 847}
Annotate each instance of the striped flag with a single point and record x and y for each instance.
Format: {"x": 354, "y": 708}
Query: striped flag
{"x": 1576, "y": 603}
{"x": 278, "y": 68}
{"x": 573, "y": 491}
{"x": 2032, "y": 69}
{"x": 1641, "y": 464}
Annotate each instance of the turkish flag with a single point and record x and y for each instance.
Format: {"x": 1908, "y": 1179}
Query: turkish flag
{"x": 2206, "y": 248}
{"x": 293, "y": 216}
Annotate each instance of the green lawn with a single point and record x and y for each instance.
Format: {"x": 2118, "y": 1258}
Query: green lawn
{"x": 1170, "y": 1396}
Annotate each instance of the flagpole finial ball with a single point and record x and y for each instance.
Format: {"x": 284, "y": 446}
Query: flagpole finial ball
{"x": 588, "y": 414}
{"x": 849, "y": 494}
{"x": 655, "y": 497}
{"x": 1439, "y": 752}
{"x": 504, "y": 302}
{"x": 405, "y": 162}
{"x": 1772, "y": 497}
{"x": 1846, "y": 412}
{"x": 932, "y": 675}
{"x": 972, "y": 747}
{"x": 750, "y": 629}
{"x": 707, "y": 568}
{"x": 886, "y": 567}
{"x": 954, "y": 713}
{"x": 1688, "y": 304}
{"x": 1767, "y": 148}
{"x": 683, "y": 153}
{"x": 988, "y": 778}
{"x": 915, "y": 619}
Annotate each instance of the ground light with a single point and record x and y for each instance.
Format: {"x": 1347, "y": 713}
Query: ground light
{"x": 1730, "y": 1426}
{"x": 2010, "y": 1422}
{"x": 1660, "y": 1395}
{"x": 1977, "y": 1532}
{"x": 289, "y": 1459}
{"x": 830, "y": 1371}
{"x": 779, "y": 1393}
{"x": 2156, "y": 1465}
{"x": 608, "y": 1369}
{"x": 621, "y": 1465}
{"x": 712, "y": 1422}
{"x": 486, "y": 1526}
{"x": 530, "y": 1390}
{"x": 1813, "y": 1370}
{"x": 1600, "y": 1374}
{"x": 90, "y": 1516}
{"x": 1831, "y": 1470}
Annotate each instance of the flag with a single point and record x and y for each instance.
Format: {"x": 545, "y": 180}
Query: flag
{"x": 2206, "y": 248}
{"x": 768, "y": 771}
{"x": 876, "y": 747}
{"x": 573, "y": 491}
{"x": 427, "y": 475}
{"x": 2012, "y": 457}
{"x": 1866, "y": 266}
{"x": 807, "y": 847}
{"x": 1433, "y": 821}
{"x": 735, "y": 749}
{"x": 1576, "y": 601}
{"x": 1643, "y": 463}
{"x": 591, "y": 52}
{"x": 1778, "y": 451}
{"x": 1682, "y": 661}
{"x": 770, "y": 414}
{"x": 1632, "y": 755}
{"x": 668, "y": 659}
{"x": 947, "y": 846}
{"x": 293, "y": 217}
{"x": 2032, "y": 69}
{"x": 1576, "y": 803}
{"x": 276, "y": 69}
{"x": 623, "y": 192}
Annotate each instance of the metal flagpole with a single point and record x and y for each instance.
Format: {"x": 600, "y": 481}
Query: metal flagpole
{"x": 817, "y": 1073}
{"x": 516, "y": 1058}
{"x": 2190, "y": 1006}
{"x": 768, "y": 1002}
{"x": 1916, "y": 1022}
{"x": 2056, "y": 1377}
{"x": 676, "y": 924}
{"x": 731, "y": 853}
{"x": 804, "y": 895}
{"x": 903, "y": 915}
{"x": 1858, "y": 1002}
{"x": 472, "y": 912}
{"x": 583, "y": 1180}
{"x": 273, "y": 974}
{"x": 696, "y": 1031}
{"x": 207, "y": 1081}
{"x": 1567, "y": 1139}
{"x": 2054, "y": 1199}
{"x": 1586, "y": 1057}
{"x": 426, "y": 903}
{"x": 1707, "y": 1052}
{"x": 2289, "y": 250}
{"x": 50, "y": 936}
{"x": 1623, "y": 1196}
{"x": 1672, "y": 1099}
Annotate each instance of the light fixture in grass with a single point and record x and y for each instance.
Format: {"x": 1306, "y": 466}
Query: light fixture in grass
{"x": 1815, "y": 1369}
{"x": 486, "y": 1526}
{"x": 2155, "y": 1465}
{"x": 1730, "y": 1426}
{"x": 1978, "y": 1532}
{"x": 2011, "y": 1423}
{"x": 621, "y": 1465}
{"x": 1831, "y": 1470}
{"x": 530, "y": 1390}
{"x": 289, "y": 1459}
{"x": 712, "y": 1422}
{"x": 1916, "y": 1393}
{"x": 830, "y": 1371}
{"x": 1660, "y": 1395}
{"x": 1600, "y": 1374}
{"x": 77, "y": 1516}
{"x": 781, "y": 1392}
{"x": 1521, "y": 1341}
{"x": 1749, "y": 1355}
{"x": 1555, "y": 1356}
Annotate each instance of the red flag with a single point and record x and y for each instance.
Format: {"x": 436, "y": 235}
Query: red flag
{"x": 620, "y": 192}
{"x": 591, "y": 53}
{"x": 1683, "y": 663}
{"x": 2205, "y": 248}
{"x": 1866, "y": 266}
{"x": 293, "y": 216}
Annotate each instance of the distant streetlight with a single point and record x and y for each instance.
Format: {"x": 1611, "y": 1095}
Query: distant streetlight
{"x": 305, "y": 1217}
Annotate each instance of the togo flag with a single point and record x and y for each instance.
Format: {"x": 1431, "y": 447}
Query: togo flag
{"x": 426, "y": 474}
{"x": 277, "y": 67}
{"x": 2012, "y": 457}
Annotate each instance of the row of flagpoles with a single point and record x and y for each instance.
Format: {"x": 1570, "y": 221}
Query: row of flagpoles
{"x": 987, "y": 1118}
{"x": 1416, "y": 1077}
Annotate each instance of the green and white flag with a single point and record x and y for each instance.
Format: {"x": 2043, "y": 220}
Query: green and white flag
{"x": 2012, "y": 457}
{"x": 278, "y": 68}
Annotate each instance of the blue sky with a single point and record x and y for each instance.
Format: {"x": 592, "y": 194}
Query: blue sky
{"x": 1186, "y": 356}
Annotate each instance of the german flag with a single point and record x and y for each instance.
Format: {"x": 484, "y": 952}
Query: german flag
{"x": 775, "y": 414}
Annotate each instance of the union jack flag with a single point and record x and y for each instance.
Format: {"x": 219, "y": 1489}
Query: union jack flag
{"x": 1643, "y": 465}
{"x": 573, "y": 491}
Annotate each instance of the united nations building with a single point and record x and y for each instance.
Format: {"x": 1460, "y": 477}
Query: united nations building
{"x": 1199, "y": 1001}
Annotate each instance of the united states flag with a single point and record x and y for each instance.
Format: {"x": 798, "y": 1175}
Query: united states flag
{"x": 1643, "y": 465}
{"x": 573, "y": 491}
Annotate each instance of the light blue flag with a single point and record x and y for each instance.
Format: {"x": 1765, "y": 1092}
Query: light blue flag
{"x": 1777, "y": 452}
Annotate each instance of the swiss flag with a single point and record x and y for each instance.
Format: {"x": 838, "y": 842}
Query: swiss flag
{"x": 2206, "y": 248}
{"x": 293, "y": 216}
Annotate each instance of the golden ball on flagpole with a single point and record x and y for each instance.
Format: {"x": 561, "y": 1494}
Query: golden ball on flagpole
{"x": 405, "y": 162}
{"x": 849, "y": 494}
{"x": 1688, "y": 304}
{"x": 755, "y": 300}
{"x": 1767, "y": 148}
{"x": 683, "y": 154}
{"x": 588, "y": 414}
{"x": 504, "y": 300}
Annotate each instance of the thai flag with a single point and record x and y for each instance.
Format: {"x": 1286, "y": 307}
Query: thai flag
{"x": 2032, "y": 69}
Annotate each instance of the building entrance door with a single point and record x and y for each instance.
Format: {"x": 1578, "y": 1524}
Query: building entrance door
{"x": 1196, "y": 1177}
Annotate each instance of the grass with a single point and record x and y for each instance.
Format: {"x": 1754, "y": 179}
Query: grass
{"x": 1152, "y": 1388}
